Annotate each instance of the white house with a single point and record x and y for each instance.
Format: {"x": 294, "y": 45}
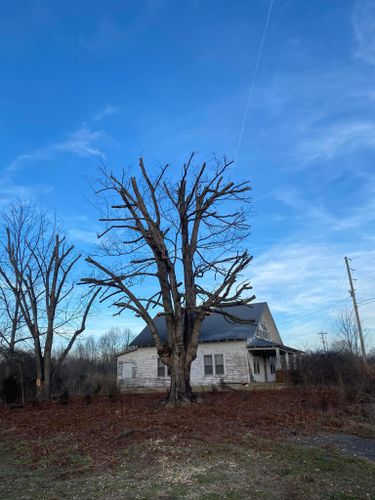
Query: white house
{"x": 234, "y": 352}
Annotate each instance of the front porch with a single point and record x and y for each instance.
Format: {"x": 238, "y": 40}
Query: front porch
{"x": 269, "y": 362}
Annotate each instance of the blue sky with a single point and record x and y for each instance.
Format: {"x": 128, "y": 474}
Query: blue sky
{"x": 84, "y": 82}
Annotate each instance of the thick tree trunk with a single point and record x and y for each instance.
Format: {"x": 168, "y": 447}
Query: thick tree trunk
{"x": 43, "y": 391}
{"x": 180, "y": 391}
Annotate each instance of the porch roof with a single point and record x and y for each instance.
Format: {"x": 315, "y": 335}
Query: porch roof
{"x": 258, "y": 343}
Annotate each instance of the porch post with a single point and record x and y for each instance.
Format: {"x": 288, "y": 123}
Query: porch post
{"x": 287, "y": 360}
{"x": 265, "y": 369}
{"x": 278, "y": 360}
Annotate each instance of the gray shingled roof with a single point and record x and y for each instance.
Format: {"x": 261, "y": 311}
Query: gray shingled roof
{"x": 215, "y": 327}
{"x": 259, "y": 343}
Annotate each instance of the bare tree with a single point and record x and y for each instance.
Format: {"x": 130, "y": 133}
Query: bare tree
{"x": 12, "y": 329}
{"x": 346, "y": 337}
{"x": 113, "y": 341}
{"x": 38, "y": 268}
{"x": 182, "y": 238}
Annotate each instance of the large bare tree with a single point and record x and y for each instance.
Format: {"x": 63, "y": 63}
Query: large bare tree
{"x": 182, "y": 237}
{"x": 37, "y": 267}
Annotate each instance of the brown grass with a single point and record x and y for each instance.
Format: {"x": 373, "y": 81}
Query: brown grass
{"x": 98, "y": 431}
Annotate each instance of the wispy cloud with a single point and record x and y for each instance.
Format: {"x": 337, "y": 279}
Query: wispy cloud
{"x": 107, "y": 35}
{"x": 318, "y": 218}
{"x": 330, "y": 141}
{"x": 306, "y": 286}
{"x": 10, "y": 191}
{"x": 107, "y": 111}
{"x": 364, "y": 30}
{"x": 82, "y": 142}
{"x": 87, "y": 236}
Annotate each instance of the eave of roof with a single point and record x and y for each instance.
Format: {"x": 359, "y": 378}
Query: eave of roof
{"x": 129, "y": 349}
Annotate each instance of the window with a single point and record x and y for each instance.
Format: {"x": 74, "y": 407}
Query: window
{"x": 208, "y": 367}
{"x": 256, "y": 367}
{"x": 262, "y": 331}
{"x": 219, "y": 364}
{"x": 162, "y": 369}
{"x": 127, "y": 370}
{"x": 213, "y": 364}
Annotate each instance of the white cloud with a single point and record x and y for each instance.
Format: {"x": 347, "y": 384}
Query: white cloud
{"x": 106, "y": 36}
{"x": 306, "y": 286}
{"x": 83, "y": 142}
{"x": 10, "y": 191}
{"x": 107, "y": 111}
{"x": 19, "y": 162}
{"x": 83, "y": 235}
{"x": 327, "y": 142}
{"x": 316, "y": 217}
{"x": 364, "y": 30}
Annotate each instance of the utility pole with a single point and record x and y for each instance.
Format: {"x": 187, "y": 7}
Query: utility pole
{"x": 324, "y": 340}
{"x": 352, "y": 294}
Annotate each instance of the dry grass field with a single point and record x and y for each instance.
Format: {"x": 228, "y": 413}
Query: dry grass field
{"x": 233, "y": 444}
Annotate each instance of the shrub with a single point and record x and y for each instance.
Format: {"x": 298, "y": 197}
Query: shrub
{"x": 10, "y": 390}
{"x": 64, "y": 397}
{"x": 343, "y": 371}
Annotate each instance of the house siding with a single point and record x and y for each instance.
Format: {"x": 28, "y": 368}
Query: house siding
{"x": 138, "y": 368}
{"x": 266, "y": 327}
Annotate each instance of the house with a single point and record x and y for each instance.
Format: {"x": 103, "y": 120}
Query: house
{"x": 244, "y": 352}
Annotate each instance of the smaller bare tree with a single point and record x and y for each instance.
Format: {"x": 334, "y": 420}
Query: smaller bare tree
{"x": 346, "y": 337}
{"x": 113, "y": 341}
{"x": 38, "y": 268}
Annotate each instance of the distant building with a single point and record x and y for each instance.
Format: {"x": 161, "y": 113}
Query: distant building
{"x": 236, "y": 353}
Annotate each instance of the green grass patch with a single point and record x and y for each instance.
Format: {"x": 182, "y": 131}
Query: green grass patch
{"x": 160, "y": 469}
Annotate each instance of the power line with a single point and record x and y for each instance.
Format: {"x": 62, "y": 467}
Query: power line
{"x": 327, "y": 308}
{"x": 251, "y": 88}
{"x": 366, "y": 302}
{"x": 365, "y": 263}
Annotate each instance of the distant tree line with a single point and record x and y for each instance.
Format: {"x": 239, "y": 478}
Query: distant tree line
{"x": 88, "y": 370}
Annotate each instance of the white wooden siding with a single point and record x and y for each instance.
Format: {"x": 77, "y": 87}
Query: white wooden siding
{"x": 144, "y": 364}
{"x": 267, "y": 324}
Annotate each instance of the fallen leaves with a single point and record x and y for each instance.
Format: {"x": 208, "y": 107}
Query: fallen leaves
{"x": 98, "y": 431}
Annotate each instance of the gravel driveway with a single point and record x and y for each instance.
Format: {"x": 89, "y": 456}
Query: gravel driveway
{"x": 351, "y": 445}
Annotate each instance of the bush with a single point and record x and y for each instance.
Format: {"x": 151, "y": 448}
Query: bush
{"x": 113, "y": 393}
{"x": 64, "y": 397}
{"x": 345, "y": 372}
{"x": 10, "y": 390}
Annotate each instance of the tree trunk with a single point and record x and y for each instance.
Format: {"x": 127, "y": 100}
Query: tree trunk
{"x": 43, "y": 392}
{"x": 43, "y": 380}
{"x": 180, "y": 391}
{"x": 21, "y": 383}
